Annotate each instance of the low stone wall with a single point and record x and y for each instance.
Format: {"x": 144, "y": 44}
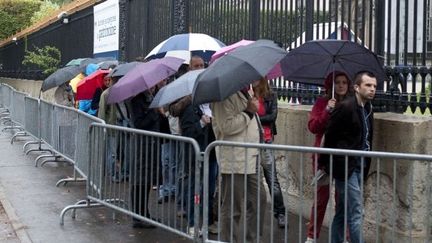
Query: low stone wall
{"x": 30, "y": 87}
{"x": 392, "y": 133}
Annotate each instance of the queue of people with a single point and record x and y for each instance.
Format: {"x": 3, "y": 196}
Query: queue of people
{"x": 343, "y": 118}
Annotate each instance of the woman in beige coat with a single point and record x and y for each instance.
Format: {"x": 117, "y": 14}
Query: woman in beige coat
{"x": 235, "y": 120}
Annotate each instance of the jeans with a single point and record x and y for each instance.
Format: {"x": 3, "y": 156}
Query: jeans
{"x": 354, "y": 207}
{"x": 271, "y": 178}
{"x": 168, "y": 162}
{"x": 213, "y": 172}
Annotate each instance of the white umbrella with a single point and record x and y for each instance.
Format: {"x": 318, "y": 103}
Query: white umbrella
{"x": 177, "y": 89}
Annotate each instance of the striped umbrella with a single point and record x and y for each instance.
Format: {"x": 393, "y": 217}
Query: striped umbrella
{"x": 196, "y": 43}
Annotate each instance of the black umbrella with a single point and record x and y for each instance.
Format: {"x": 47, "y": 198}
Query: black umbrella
{"x": 60, "y": 77}
{"x": 314, "y": 60}
{"x": 236, "y": 70}
{"x": 122, "y": 69}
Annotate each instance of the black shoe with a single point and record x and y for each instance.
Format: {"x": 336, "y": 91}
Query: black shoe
{"x": 281, "y": 220}
{"x": 163, "y": 199}
{"x": 138, "y": 224}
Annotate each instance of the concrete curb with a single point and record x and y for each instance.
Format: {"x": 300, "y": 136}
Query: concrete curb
{"x": 18, "y": 227}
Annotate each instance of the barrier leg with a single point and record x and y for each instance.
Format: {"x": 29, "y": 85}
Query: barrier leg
{"x": 88, "y": 204}
{"x": 29, "y": 143}
{"x": 57, "y": 159}
{"x": 75, "y": 178}
{"x": 43, "y": 156}
{"x": 18, "y": 134}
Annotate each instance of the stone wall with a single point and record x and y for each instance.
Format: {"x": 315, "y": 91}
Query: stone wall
{"x": 30, "y": 87}
{"x": 392, "y": 133}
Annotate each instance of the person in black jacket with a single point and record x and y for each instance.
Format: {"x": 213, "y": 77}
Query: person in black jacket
{"x": 143, "y": 172}
{"x": 351, "y": 127}
{"x": 195, "y": 122}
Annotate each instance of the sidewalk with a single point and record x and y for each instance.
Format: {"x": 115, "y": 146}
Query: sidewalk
{"x": 33, "y": 204}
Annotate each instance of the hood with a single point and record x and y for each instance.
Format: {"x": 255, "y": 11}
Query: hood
{"x": 328, "y": 82}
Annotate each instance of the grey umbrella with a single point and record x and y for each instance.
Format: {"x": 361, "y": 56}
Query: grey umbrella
{"x": 60, "y": 77}
{"x": 95, "y": 60}
{"x": 177, "y": 89}
{"x": 107, "y": 64}
{"x": 236, "y": 70}
{"x": 122, "y": 69}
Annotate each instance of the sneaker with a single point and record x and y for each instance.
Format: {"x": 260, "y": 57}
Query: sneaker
{"x": 213, "y": 229}
{"x": 309, "y": 240}
{"x": 281, "y": 220}
{"x": 181, "y": 213}
{"x": 191, "y": 232}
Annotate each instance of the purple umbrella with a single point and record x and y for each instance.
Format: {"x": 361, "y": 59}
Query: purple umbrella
{"x": 143, "y": 77}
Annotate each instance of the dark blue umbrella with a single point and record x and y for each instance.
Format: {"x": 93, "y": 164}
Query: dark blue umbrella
{"x": 314, "y": 60}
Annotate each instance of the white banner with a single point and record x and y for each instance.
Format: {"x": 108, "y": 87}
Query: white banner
{"x": 106, "y": 26}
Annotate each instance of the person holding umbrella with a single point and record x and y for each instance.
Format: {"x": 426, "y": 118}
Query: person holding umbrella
{"x": 350, "y": 127}
{"x": 267, "y": 113}
{"x": 336, "y": 91}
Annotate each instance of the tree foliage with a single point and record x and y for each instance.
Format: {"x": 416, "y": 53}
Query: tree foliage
{"x": 46, "y": 58}
{"x": 46, "y": 9}
{"x": 15, "y": 15}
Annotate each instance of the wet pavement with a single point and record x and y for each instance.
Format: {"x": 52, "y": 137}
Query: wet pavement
{"x": 33, "y": 205}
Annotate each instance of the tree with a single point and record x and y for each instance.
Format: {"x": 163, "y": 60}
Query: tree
{"x": 46, "y": 58}
{"x": 46, "y": 9}
{"x": 15, "y": 15}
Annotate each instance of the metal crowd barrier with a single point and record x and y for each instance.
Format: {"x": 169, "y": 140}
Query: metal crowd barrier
{"x": 382, "y": 219}
{"x": 18, "y": 115}
{"x": 136, "y": 155}
{"x": 6, "y": 102}
{"x": 62, "y": 130}
{"x": 65, "y": 131}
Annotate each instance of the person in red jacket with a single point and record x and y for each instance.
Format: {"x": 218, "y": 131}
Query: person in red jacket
{"x": 318, "y": 120}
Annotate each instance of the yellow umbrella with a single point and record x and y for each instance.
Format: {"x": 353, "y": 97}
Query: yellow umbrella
{"x": 74, "y": 82}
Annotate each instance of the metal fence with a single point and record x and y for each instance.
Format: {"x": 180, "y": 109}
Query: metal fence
{"x": 61, "y": 131}
{"x": 399, "y": 31}
{"x": 395, "y": 195}
{"x": 392, "y": 212}
{"x": 136, "y": 156}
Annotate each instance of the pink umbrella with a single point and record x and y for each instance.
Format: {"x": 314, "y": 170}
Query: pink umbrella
{"x": 274, "y": 73}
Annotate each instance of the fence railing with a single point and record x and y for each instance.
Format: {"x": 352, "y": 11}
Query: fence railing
{"x": 121, "y": 165}
{"x": 60, "y": 133}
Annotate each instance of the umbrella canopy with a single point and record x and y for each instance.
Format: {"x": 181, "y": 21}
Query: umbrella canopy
{"x": 122, "y": 69}
{"x": 196, "y": 43}
{"x": 87, "y": 86}
{"x": 142, "y": 77}
{"x": 314, "y": 60}
{"x": 74, "y": 82}
{"x": 227, "y": 49}
{"x": 182, "y": 54}
{"x": 107, "y": 64}
{"x": 60, "y": 77}
{"x": 75, "y": 62}
{"x": 177, "y": 89}
{"x": 236, "y": 70}
{"x": 274, "y": 73}
{"x": 95, "y": 60}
